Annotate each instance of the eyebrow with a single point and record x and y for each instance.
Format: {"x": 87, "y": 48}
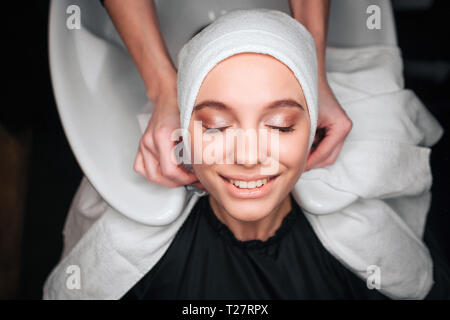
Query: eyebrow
{"x": 272, "y": 105}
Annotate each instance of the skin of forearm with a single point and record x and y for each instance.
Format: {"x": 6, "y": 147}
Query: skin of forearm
{"x": 138, "y": 25}
{"x": 313, "y": 14}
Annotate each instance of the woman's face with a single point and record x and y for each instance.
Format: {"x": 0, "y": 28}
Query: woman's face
{"x": 260, "y": 96}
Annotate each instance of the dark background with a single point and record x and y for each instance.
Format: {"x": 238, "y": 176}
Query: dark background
{"x": 39, "y": 175}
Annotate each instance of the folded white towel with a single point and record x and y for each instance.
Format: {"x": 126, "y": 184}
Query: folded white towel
{"x": 380, "y": 183}
{"x": 368, "y": 208}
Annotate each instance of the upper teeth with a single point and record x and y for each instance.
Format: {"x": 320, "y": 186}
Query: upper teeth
{"x": 249, "y": 184}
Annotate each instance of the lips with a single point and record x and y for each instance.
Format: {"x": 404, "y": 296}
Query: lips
{"x": 253, "y": 177}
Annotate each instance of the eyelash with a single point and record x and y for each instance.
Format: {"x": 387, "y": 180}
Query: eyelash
{"x": 282, "y": 129}
{"x": 220, "y": 129}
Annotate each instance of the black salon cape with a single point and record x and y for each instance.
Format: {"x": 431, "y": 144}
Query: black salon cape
{"x": 206, "y": 261}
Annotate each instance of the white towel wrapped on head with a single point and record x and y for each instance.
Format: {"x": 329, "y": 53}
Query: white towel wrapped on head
{"x": 263, "y": 31}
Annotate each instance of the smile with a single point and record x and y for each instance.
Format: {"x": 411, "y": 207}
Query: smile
{"x": 249, "y": 188}
{"x": 249, "y": 184}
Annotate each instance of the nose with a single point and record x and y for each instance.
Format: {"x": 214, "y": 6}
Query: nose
{"x": 247, "y": 147}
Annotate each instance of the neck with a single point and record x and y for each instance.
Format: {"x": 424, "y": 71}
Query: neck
{"x": 261, "y": 229}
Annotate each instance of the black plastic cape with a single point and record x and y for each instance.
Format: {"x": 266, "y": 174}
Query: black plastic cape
{"x": 206, "y": 261}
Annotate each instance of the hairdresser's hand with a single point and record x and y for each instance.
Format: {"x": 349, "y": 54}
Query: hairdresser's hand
{"x": 138, "y": 26}
{"x": 333, "y": 126}
{"x": 155, "y": 159}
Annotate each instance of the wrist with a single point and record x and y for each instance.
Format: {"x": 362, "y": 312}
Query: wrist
{"x": 163, "y": 85}
{"x": 322, "y": 81}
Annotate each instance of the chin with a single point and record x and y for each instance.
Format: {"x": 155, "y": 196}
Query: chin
{"x": 248, "y": 210}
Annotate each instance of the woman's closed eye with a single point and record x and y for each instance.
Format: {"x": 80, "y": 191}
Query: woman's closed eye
{"x": 283, "y": 122}
{"x": 283, "y": 129}
{"x": 221, "y": 129}
{"x": 213, "y": 129}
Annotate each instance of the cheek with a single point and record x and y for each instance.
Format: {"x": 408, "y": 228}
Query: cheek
{"x": 207, "y": 146}
{"x": 293, "y": 150}
{"x": 202, "y": 169}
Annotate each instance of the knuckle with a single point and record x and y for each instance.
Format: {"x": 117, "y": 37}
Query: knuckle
{"x": 136, "y": 167}
{"x": 151, "y": 176}
{"x": 348, "y": 124}
{"x": 147, "y": 141}
{"x": 150, "y": 173}
{"x": 137, "y": 170}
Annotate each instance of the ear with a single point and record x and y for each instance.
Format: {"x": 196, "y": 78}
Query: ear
{"x": 320, "y": 135}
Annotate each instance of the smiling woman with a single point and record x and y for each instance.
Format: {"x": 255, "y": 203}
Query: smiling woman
{"x": 256, "y": 92}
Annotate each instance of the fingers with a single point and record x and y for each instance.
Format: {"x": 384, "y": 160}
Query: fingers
{"x": 147, "y": 165}
{"x": 169, "y": 167}
{"x": 323, "y": 150}
{"x": 329, "y": 148}
{"x": 139, "y": 164}
{"x": 329, "y": 160}
{"x": 198, "y": 185}
{"x": 157, "y": 163}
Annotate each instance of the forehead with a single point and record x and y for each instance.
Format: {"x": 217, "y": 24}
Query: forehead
{"x": 249, "y": 63}
{"x": 250, "y": 79}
